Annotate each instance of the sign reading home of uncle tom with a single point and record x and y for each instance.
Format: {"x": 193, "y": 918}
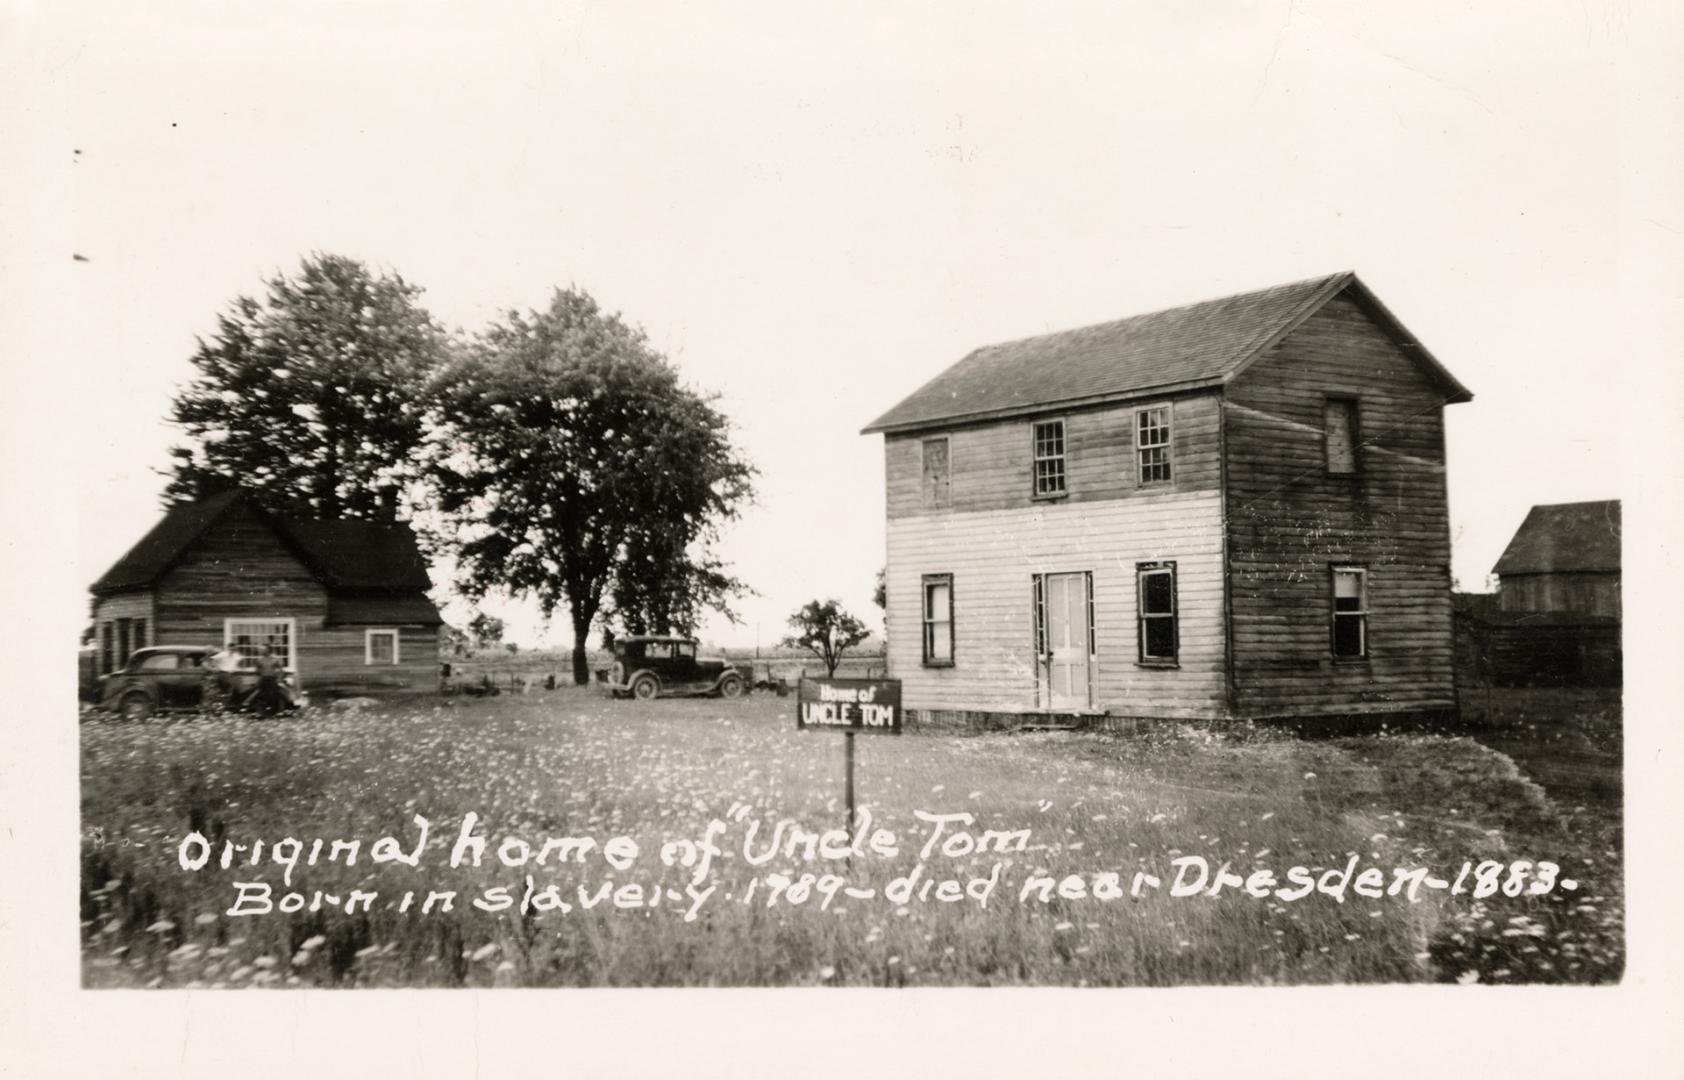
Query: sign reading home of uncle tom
{"x": 869, "y": 705}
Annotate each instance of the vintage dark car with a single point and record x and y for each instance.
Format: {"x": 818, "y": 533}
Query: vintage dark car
{"x": 167, "y": 677}
{"x": 649, "y": 665}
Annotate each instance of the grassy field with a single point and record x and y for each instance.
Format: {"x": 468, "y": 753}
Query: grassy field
{"x": 570, "y": 764}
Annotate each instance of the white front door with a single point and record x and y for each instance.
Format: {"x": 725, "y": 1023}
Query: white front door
{"x": 1067, "y": 640}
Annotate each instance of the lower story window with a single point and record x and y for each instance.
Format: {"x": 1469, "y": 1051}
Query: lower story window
{"x": 380, "y": 647}
{"x": 1155, "y": 587}
{"x": 938, "y": 619}
{"x": 1350, "y": 612}
{"x": 248, "y": 636}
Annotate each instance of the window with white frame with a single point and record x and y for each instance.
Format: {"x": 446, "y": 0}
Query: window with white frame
{"x": 1049, "y": 458}
{"x": 248, "y": 636}
{"x": 938, "y": 620}
{"x": 1350, "y": 612}
{"x": 1152, "y": 443}
{"x": 380, "y": 647}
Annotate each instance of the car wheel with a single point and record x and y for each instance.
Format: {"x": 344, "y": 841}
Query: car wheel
{"x": 644, "y": 688}
{"x": 731, "y": 686}
{"x": 137, "y": 707}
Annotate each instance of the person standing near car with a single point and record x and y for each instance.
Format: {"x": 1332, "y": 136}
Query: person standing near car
{"x": 268, "y": 682}
{"x": 224, "y": 662}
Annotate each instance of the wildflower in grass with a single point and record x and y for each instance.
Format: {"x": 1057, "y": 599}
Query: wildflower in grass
{"x": 827, "y": 973}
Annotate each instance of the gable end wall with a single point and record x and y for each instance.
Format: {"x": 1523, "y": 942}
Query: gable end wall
{"x": 1287, "y": 521}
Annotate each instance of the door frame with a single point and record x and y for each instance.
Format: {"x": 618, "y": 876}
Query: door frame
{"x": 1041, "y": 648}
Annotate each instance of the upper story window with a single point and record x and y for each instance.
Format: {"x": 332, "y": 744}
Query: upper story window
{"x": 938, "y": 486}
{"x": 1049, "y": 458}
{"x": 1152, "y": 443}
{"x": 1340, "y": 437}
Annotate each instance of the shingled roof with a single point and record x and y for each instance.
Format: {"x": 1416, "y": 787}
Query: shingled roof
{"x": 363, "y": 560}
{"x": 1565, "y": 538}
{"x": 1204, "y": 344}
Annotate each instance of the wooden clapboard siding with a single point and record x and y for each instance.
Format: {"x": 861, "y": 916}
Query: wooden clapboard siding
{"x": 110, "y": 611}
{"x": 1289, "y": 522}
{"x": 240, "y": 569}
{"x": 992, "y": 465}
{"x": 339, "y": 660}
{"x": 993, "y": 557}
{"x": 1582, "y": 592}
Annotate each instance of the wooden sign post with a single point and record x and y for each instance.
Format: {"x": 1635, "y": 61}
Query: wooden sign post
{"x": 850, "y": 706}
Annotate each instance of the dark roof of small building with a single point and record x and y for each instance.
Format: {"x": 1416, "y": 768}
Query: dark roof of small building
{"x": 359, "y": 556}
{"x": 1565, "y": 538}
{"x": 1199, "y": 345}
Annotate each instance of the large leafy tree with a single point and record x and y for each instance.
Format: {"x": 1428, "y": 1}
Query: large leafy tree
{"x": 574, "y": 468}
{"x": 314, "y": 394}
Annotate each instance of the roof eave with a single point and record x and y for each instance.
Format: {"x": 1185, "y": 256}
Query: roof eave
{"x": 1454, "y": 392}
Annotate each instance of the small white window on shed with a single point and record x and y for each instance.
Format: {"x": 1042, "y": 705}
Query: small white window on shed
{"x": 1340, "y": 424}
{"x": 380, "y": 647}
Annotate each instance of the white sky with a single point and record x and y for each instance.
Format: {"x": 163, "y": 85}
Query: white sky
{"x": 813, "y": 213}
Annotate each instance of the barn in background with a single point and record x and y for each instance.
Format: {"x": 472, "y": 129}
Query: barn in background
{"x": 1555, "y": 618}
{"x": 1231, "y": 509}
{"x": 344, "y": 603}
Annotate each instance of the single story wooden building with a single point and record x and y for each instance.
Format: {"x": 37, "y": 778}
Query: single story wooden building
{"x": 1226, "y": 510}
{"x": 343, "y": 602}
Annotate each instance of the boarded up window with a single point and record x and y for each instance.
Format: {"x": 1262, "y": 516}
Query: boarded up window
{"x": 125, "y": 628}
{"x": 1049, "y": 458}
{"x": 1156, "y": 603}
{"x": 1350, "y": 612}
{"x": 1152, "y": 444}
{"x": 107, "y": 648}
{"x": 938, "y": 491}
{"x": 938, "y": 619}
{"x": 1341, "y": 427}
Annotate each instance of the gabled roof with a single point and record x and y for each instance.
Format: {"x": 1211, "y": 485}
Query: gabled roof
{"x": 1567, "y": 538}
{"x": 353, "y": 556}
{"x": 1199, "y": 345}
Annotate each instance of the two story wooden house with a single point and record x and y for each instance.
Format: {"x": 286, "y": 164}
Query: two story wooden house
{"x": 1231, "y": 509}
{"x": 343, "y": 603}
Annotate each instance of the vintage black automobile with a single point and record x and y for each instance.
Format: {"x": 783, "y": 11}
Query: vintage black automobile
{"x": 167, "y": 677}
{"x": 649, "y": 665}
